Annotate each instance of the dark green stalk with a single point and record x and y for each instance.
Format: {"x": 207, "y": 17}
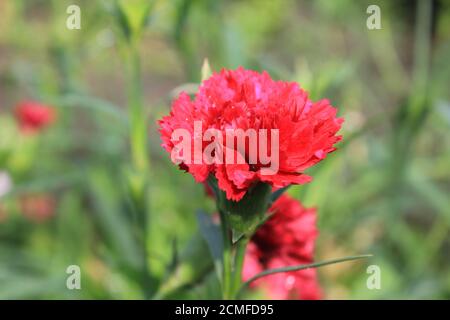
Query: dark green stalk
{"x": 139, "y": 156}
{"x": 226, "y": 279}
{"x": 138, "y": 119}
{"x": 421, "y": 55}
{"x": 241, "y": 247}
{"x": 410, "y": 118}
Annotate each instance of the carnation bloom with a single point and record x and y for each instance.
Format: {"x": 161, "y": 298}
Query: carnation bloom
{"x": 286, "y": 239}
{"x": 33, "y": 116}
{"x": 244, "y": 99}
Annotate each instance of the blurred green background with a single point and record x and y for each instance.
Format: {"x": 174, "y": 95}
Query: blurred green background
{"x": 385, "y": 191}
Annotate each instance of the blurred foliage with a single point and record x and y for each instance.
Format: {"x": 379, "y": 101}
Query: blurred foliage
{"x": 385, "y": 191}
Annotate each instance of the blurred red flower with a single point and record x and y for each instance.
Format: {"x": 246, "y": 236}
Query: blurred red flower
{"x": 38, "y": 207}
{"x": 286, "y": 239}
{"x": 33, "y": 116}
{"x": 244, "y": 99}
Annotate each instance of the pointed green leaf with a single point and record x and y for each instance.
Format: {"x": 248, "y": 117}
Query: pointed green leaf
{"x": 274, "y": 197}
{"x": 193, "y": 265}
{"x": 212, "y": 235}
{"x": 175, "y": 256}
{"x": 301, "y": 267}
{"x": 132, "y": 16}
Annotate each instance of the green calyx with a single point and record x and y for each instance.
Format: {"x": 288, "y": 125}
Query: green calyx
{"x": 244, "y": 216}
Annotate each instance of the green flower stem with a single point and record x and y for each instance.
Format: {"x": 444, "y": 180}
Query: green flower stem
{"x": 233, "y": 261}
{"x": 421, "y": 62}
{"x": 241, "y": 247}
{"x": 139, "y": 156}
{"x": 226, "y": 278}
{"x": 138, "y": 118}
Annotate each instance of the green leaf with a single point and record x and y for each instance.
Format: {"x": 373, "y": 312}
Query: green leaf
{"x": 212, "y": 182}
{"x": 212, "y": 234}
{"x": 96, "y": 104}
{"x": 24, "y": 286}
{"x": 246, "y": 215}
{"x": 115, "y": 227}
{"x": 132, "y": 16}
{"x": 175, "y": 255}
{"x": 301, "y": 267}
{"x": 193, "y": 265}
{"x": 274, "y": 197}
{"x": 48, "y": 183}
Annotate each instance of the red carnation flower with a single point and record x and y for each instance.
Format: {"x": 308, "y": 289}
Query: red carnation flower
{"x": 286, "y": 239}
{"x": 244, "y": 99}
{"x": 33, "y": 116}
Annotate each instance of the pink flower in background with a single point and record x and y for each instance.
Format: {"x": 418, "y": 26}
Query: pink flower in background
{"x": 5, "y": 187}
{"x": 6, "y": 183}
{"x": 286, "y": 239}
{"x": 33, "y": 116}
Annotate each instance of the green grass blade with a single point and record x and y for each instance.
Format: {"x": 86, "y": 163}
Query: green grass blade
{"x": 301, "y": 267}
